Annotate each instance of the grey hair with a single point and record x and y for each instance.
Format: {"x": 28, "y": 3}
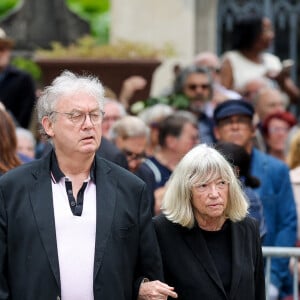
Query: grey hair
{"x": 184, "y": 74}
{"x": 202, "y": 164}
{"x": 267, "y": 89}
{"x": 27, "y": 134}
{"x": 129, "y": 126}
{"x": 68, "y": 83}
{"x": 155, "y": 113}
{"x": 120, "y": 106}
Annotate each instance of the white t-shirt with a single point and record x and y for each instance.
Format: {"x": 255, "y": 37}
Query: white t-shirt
{"x": 244, "y": 70}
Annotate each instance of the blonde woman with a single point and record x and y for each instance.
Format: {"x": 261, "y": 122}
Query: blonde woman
{"x": 218, "y": 252}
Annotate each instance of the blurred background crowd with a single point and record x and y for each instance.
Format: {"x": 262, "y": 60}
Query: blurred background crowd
{"x": 232, "y": 81}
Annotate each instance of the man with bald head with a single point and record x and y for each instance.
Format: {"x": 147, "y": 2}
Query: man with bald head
{"x": 268, "y": 100}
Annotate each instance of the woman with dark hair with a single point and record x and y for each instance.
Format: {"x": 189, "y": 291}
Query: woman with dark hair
{"x": 240, "y": 159}
{"x": 248, "y": 60}
{"x": 8, "y": 143}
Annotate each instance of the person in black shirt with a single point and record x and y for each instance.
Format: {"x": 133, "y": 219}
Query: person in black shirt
{"x": 218, "y": 249}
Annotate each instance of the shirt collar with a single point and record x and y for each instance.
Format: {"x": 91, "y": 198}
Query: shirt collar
{"x": 57, "y": 174}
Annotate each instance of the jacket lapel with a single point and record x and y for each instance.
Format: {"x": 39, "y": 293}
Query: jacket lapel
{"x": 238, "y": 255}
{"x": 106, "y": 199}
{"x": 197, "y": 244}
{"x": 42, "y": 206}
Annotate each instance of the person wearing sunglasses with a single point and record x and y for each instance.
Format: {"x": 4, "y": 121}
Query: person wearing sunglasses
{"x": 196, "y": 84}
{"x": 130, "y": 134}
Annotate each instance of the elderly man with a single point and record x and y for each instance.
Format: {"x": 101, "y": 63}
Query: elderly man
{"x": 130, "y": 134}
{"x": 17, "y": 90}
{"x": 233, "y": 120}
{"x": 267, "y": 101}
{"x": 73, "y": 225}
{"x": 196, "y": 84}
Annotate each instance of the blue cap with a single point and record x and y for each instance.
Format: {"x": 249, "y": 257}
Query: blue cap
{"x": 230, "y": 108}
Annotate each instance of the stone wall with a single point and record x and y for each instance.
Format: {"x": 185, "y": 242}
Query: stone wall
{"x": 189, "y": 25}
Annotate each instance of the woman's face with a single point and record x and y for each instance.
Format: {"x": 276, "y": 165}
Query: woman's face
{"x": 267, "y": 34}
{"x": 209, "y": 200}
{"x": 278, "y": 131}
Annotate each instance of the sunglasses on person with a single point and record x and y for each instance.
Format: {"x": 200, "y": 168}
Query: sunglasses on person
{"x": 194, "y": 86}
{"x": 134, "y": 156}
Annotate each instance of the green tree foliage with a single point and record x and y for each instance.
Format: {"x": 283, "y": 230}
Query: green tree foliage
{"x": 6, "y": 6}
{"x": 96, "y": 12}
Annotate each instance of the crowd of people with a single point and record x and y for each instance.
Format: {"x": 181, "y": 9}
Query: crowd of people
{"x": 170, "y": 202}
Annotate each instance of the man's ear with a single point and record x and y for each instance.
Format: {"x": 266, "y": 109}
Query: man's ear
{"x": 253, "y": 130}
{"x": 171, "y": 141}
{"x": 48, "y": 126}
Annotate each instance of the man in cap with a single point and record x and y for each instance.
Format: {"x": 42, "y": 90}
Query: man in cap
{"x": 233, "y": 123}
{"x": 17, "y": 90}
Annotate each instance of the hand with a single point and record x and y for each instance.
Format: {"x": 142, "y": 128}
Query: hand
{"x": 129, "y": 87}
{"x": 155, "y": 290}
{"x": 279, "y": 77}
{"x": 273, "y": 292}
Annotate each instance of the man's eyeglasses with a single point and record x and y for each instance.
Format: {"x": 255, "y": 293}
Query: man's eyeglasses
{"x": 79, "y": 117}
{"x": 193, "y": 87}
{"x": 134, "y": 156}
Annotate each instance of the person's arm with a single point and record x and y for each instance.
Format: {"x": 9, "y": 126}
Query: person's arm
{"x": 129, "y": 87}
{"x": 292, "y": 90}
{"x": 226, "y": 74}
{"x": 4, "y": 291}
{"x": 287, "y": 85}
{"x": 150, "y": 263}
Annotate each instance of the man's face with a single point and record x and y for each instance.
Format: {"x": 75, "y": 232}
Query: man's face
{"x": 197, "y": 89}
{"x": 268, "y": 103}
{"x": 75, "y": 126}
{"x": 112, "y": 114}
{"x": 188, "y": 139}
{"x": 134, "y": 149}
{"x": 4, "y": 57}
{"x": 237, "y": 129}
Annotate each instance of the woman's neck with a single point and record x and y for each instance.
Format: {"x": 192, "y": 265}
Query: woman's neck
{"x": 210, "y": 224}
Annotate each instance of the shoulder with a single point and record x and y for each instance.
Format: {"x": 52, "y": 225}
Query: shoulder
{"x": 122, "y": 175}
{"x": 230, "y": 54}
{"x": 25, "y": 172}
{"x": 260, "y": 157}
{"x": 160, "y": 220}
{"x": 15, "y": 72}
{"x": 249, "y": 224}
{"x": 164, "y": 227}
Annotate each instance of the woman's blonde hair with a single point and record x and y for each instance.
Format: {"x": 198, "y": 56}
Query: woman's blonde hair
{"x": 293, "y": 156}
{"x": 201, "y": 165}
